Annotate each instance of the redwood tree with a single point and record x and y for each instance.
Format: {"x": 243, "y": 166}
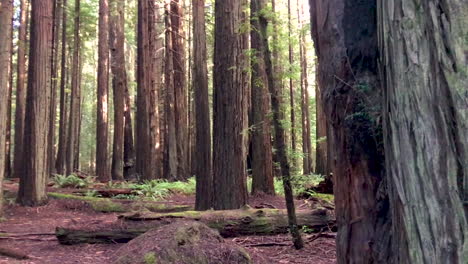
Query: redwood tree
{"x": 202, "y": 160}
{"x": 148, "y": 151}
{"x": 62, "y": 142}
{"x": 119, "y": 85}
{"x": 74, "y": 116}
{"x": 230, "y": 105}
{"x": 32, "y": 191}
{"x": 424, "y": 66}
{"x": 177, "y": 139}
{"x": 345, "y": 38}
{"x": 102, "y": 126}
{"x": 18, "y": 164}
{"x": 6, "y": 15}
{"x": 262, "y": 161}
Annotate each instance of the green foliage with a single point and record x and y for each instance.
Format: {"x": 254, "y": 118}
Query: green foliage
{"x": 71, "y": 181}
{"x": 160, "y": 189}
{"x": 300, "y": 184}
{"x": 150, "y": 258}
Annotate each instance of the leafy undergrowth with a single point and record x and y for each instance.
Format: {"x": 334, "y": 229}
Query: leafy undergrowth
{"x": 156, "y": 190}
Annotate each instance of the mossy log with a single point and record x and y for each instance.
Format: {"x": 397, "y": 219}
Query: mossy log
{"x": 231, "y": 223}
{"x": 106, "y": 205}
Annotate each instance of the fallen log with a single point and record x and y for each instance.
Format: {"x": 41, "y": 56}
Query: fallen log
{"x": 109, "y": 193}
{"x": 13, "y": 253}
{"x": 231, "y": 223}
{"x": 107, "y": 205}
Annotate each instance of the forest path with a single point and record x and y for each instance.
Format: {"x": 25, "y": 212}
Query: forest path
{"x": 43, "y": 248}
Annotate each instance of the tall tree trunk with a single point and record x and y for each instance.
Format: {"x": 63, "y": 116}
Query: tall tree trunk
{"x": 202, "y": 160}
{"x": 54, "y": 77}
{"x": 62, "y": 144}
{"x": 321, "y": 145}
{"x": 32, "y": 188}
{"x": 18, "y": 163}
{"x": 305, "y": 109}
{"x": 230, "y": 105}
{"x": 6, "y": 20}
{"x": 345, "y": 37}
{"x": 74, "y": 115}
{"x": 119, "y": 84}
{"x": 176, "y": 88}
{"x": 424, "y": 47}
{"x": 280, "y": 133}
{"x": 102, "y": 125}
{"x": 129, "y": 147}
{"x": 291, "y": 82}
{"x": 9, "y": 106}
{"x": 262, "y": 161}
{"x": 148, "y": 152}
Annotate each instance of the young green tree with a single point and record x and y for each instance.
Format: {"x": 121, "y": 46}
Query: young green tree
{"x": 32, "y": 188}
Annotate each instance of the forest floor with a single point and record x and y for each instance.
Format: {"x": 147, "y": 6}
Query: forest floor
{"x": 31, "y": 231}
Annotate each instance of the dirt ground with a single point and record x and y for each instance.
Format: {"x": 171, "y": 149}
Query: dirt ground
{"x": 31, "y": 231}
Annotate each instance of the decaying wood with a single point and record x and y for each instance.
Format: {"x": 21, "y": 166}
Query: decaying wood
{"x": 229, "y": 223}
{"x": 13, "y": 253}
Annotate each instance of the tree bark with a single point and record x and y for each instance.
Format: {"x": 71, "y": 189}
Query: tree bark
{"x": 129, "y": 147}
{"x": 262, "y": 160}
{"x": 176, "y": 88}
{"x": 202, "y": 160}
{"x": 102, "y": 126}
{"x": 33, "y": 183}
{"x": 291, "y": 82}
{"x": 345, "y": 37}
{"x": 9, "y": 109}
{"x": 61, "y": 151}
{"x": 230, "y": 105}
{"x": 305, "y": 109}
{"x": 119, "y": 84}
{"x": 18, "y": 163}
{"x": 321, "y": 145}
{"x": 54, "y": 77}
{"x": 229, "y": 223}
{"x": 6, "y": 23}
{"x": 148, "y": 151}
{"x": 423, "y": 46}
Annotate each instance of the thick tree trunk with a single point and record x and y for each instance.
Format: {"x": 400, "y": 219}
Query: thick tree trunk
{"x": 148, "y": 151}
{"x": 102, "y": 125}
{"x": 230, "y": 105}
{"x": 18, "y": 163}
{"x": 345, "y": 36}
{"x": 424, "y": 48}
{"x": 202, "y": 160}
{"x": 228, "y": 223}
{"x": 119, "y": 84}
{"x": 6, "y": 20}
{"x": 33, "y": 182}
{"x": 262, "y": 160}
{"x": 61, "y": 151}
